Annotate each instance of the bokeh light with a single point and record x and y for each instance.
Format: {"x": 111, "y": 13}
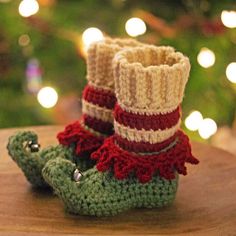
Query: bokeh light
{"x": 207, "y": 128}
{"x": 206, "y": 58}
{"x": 135, "y": 26}
{"x": 24, "y": 40}
{"x": 91, "y": 35}
{"x": 193, "y": 121}
{"x": 28, "y": 8}
{"x": 231, "y": 72}
{"x": 228, "y": 18}
{"x": 47, "y": 97}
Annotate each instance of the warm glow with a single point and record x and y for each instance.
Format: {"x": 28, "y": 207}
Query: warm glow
{"x": 28, "y": 8}
{"x": 47, "y": 97}
{"x": 228, "y": 18}
{"x": 206, "y": 58}
{"x": 24, "y": 40}
{"x": 135, "y": 26}
{"x": 91, "y": 35}
{"x": 193, "y": 121}
{"x": 207, "y": 128}
{"x": 231, "y": 72}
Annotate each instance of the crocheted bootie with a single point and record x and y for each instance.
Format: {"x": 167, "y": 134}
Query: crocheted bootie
{"x": 81, "y": 138}
{"x": 139, "y": 165}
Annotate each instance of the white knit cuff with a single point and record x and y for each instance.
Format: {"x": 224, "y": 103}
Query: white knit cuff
{"x": 99, "y": 61}
{"x": 150, "y": 79}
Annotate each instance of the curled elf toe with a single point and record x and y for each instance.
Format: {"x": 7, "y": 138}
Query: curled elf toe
{"x": 59, "y": 174}
{"x": 24, "y": 149}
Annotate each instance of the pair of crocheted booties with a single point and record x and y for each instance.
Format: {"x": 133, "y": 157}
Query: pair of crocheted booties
{"x": 129, "y": 130}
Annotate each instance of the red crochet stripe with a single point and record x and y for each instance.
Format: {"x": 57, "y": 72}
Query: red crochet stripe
{"x": 123, "y": 163}
{"x": 84, "y": 141}
{"x": 98, "y": 125}
{"x": 99, "y": 97}
{"x": 144, "y": 147}
{"x": 147, "y": 122}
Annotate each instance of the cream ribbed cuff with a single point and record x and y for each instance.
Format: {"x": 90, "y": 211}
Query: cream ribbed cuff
{"x": 150, "y": 79}
{"x": 149, "y": 136}
{"x": 99, "y": 61}
{"x": 96, "y": 111}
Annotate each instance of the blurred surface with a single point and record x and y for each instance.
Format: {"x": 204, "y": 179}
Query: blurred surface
{"x": 205, "y": 202}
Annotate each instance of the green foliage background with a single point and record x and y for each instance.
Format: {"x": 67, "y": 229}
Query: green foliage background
{"x": 208, "y": 90}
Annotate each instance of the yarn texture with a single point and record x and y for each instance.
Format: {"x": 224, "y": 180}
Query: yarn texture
{"x": 150, "y": 80}
{"x": 100, "y": 194}
{"x": 32, "y": 163}
{"x": 81, "y": 138}
{"x": 166, "y": 162}
{"x": 139, "y": 165}
{"x": 145, "y": 123}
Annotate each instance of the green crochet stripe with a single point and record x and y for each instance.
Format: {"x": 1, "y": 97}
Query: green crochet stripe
{"x": 100, "y": 194}
{"x": 32, "y": 163}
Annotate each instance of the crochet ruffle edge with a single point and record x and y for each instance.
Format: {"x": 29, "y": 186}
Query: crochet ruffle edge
{"x": 84, "y": 141}
{"x": 166, "y": 163}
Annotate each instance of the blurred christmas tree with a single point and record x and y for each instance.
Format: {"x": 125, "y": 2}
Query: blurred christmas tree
{"x": 41, "y": 44}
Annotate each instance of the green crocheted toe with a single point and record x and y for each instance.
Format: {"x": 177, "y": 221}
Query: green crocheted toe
{"x": 100, "y": 194}
{"x": 32, "y": 163}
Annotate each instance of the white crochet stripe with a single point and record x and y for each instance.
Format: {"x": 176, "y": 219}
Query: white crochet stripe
{"x": 149, "y": 112}
{"x": 96, "y": 111}
{"x": 150, "y": 136}
{"x": 102, "y": 87}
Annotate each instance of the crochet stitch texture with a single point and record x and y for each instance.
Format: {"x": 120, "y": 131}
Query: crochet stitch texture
{"x": 81, "y": 138}
{"x": 139, "y": 165}
{"x": 100, "y": 194}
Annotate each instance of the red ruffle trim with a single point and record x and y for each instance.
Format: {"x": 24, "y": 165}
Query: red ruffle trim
{"x": 123, "y": 163}
{"x": 84, "y": 141}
